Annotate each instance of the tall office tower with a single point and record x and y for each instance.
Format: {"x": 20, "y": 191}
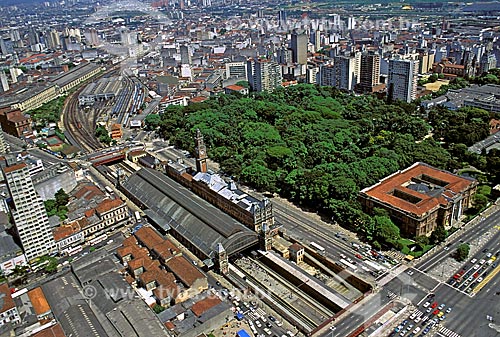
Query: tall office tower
{"x": 30, "y": 218}
{"x": 4, "y": 81}
{"x": 284, "y": 56}
{"x": 343, "y": 74}
{"x": 236, "y": 70}
{"x": 402, "y": 82}
{"x": 15, "y": 35}
{"x": 316, "y": 39}
{"x": 488, "y": 61}
{"x": 13, "y": 75}
{"x": 282, "y": 18}
{"x": 264, "y": 75}
{"x": 185, "y": 54}
{"x": 4, "y": 147}
{"x": 53, "y": 41}
{"x": 369, "y": 76}
{"x": 351, "y": 23}
{"x": 92, "y": 37}
{"x": 299, "y": 48}
{"x": 6, "y": 46}
{"x": 33, "y": 36}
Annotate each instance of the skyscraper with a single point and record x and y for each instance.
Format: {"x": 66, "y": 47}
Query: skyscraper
{"x": 4, "y": 81}
{"x": 299, "y": 48}
{"x": 343, "y": 74}
{"x": 30, "y": 218}
{"x": 369, "y": 77}
{"x": 402, "y": 83}
{"x": 263, "y": 74}
{"x": 4, "y": 147}
{"x": 185, "y": 54}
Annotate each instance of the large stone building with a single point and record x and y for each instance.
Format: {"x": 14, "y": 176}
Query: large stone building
{"x": 420, "y": 198}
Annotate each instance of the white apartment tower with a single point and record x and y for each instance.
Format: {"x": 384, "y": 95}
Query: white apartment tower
{"x": 28, "y": 212}
{"x": 263, "y": 74}
{"x": 402, "y": 83}
{"x": 343, "y": 74}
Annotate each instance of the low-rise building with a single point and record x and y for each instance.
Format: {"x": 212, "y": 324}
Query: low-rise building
{"x": 108, "y": 215}
{"x": 420, "y": 198}
{"x": 8, "y": 310}
{"x": 69, "y": 236}
{"x": 39, "y": 303}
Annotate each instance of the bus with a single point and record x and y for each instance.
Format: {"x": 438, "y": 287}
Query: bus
{"x": 73, "y": 250}
{"x": 137, "y": 216}
{"x": 317, "y": 247}
{"x": 98, "y": 239}
{"x": 109, "y": 189}
{"x": 349, "y": 265}
{"x": 374, "y": 265}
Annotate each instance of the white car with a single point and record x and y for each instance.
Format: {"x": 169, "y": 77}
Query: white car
{"x": 482, "y": 261}
{"x": 476, "y": 266}
{"x": 266, "y": 330}
{"x": 479, "y": 279}
{"x": 410, "y": 272}
{"x": 426, "y": 304}
{"x": 473, "y": 261}
{"x": 488, "y": 255}
{"x": 417, "y": 330}
{"x": 417, "y": 320}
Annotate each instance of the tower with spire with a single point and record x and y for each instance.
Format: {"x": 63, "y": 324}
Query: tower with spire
{"x": 201, "y": 152}
{"x": 222, "y": 261}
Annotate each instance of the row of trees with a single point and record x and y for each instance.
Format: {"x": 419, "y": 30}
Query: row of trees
{"x": 318, "y": 146}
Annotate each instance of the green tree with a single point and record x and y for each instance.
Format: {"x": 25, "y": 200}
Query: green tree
{"x": 422, "y": 241}
{"x": 462, "y": 252}
{"x": 152, "y": 121}
{"x": 479, "y": 202}
{"x": 438, "y": 235}
{"x": 62, "y": 198}
{"x": 385, "y": 230}
{"x": 158, "y": 308}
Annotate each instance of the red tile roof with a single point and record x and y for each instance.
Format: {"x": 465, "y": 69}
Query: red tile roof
{"x": 108, "y": 204}
{"x": 7, "y": 301}
{"x": 205, "y": 304}
{"x": 14, "y": 167}
{"x": 53, "y": 331}
{"x": 398, "y": 182}
{"x": 63, "y": 232}
{"x": 184, "y": 270}
{"x": 148, "y": 237}
{"x": 39, "y": 302}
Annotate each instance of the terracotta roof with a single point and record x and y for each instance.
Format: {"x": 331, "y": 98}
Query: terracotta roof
{"x": 14, "y": 167}
{"x": 393, "y": 190}
{"x": 108, "y": 204}
{"x": 148, "y": 237}
{"x": 88, "y": 192}
{"x": 39, "y": 301}
{"x": 89, "y": 213}
{"x": 53, "y": 331}
{"x": 295, "y": 246}
{"x": 7, "y": 301}
{"x": 201, "y": 306}
{"x": 162, "y": 277}
{"x": 169, "y": 325}
{"x": 235, "y": 87}
{"x": 166, "y": 250}
{"x": 63, "y": 232}
{"x": 184, "y": 270}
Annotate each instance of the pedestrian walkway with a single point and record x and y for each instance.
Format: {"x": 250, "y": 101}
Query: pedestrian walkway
{"x": 392, "y": 295}
{"x": 447, "y": 332}
{"x": 392, "y": 274}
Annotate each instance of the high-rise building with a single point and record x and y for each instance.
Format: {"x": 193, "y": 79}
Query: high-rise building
{"x": 299, "y": 48}
{"x": 369, "y": 76}
{"x": 343, "y": 74}
{"x": 185, "y": 54}
{"x": 30, "y": 218}
{"x": 402, "y": 82}
{"x": 4, "y": 147}
{"x": 263, "y": 74}
{"x": 4, "y": 81}
{"x": 488, "y": 61}
{"x": 284, "y": 56}
{"x": 53, "y": 41}
{"x": 282, "y": 18}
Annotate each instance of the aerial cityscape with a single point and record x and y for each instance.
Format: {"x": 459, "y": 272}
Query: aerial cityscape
{"x": 219, "y": 168}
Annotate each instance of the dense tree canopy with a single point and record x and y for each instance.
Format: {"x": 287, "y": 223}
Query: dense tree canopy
{"x": 316, "y": 145}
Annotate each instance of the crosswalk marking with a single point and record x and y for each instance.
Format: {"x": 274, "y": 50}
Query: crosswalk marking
{"x": 448, "y": 333}
{"x": 392, "y": 295}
